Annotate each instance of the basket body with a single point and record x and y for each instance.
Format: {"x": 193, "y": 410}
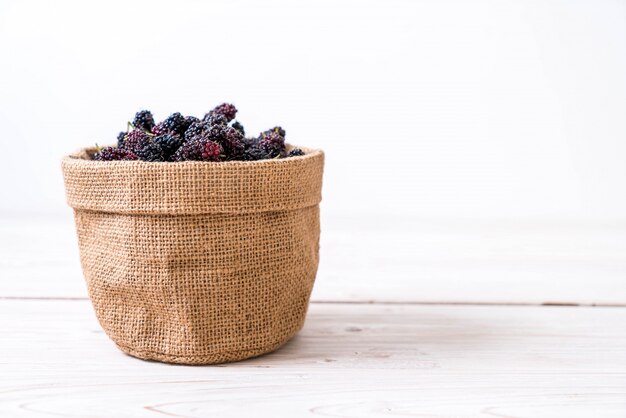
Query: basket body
{"x": 198, "y": 263}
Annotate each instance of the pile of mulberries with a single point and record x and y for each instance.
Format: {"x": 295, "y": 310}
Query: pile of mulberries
{"x": 215, "y": 137}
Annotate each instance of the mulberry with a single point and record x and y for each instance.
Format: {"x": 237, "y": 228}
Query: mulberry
{"x": 216, "y": 133}
{"x": 169, "y": 144}
{"x": 226, "y": 109}
{"x": 114, "y": 154}
{"x": 197, "y": 129}
{"x": 151, "y": 152}
{"x": 211, "y": 151}
{"x": 136, "y": 140}
{"x": 120, "y": 139}
{"x": 144, "y": 120}
{"x": 233, "y": 143}
{"x": 175, "y": 123}
{"x": 239, "y": 127}
{"x": 189, "y": 120}
{"x": 255, "y": 153}
{"x": 272, "y": 143}
{"x": 159, "y": 129}
{"x": 213, "y": 118}
{"x": 276, "y": 129}
{"x": 228, "y": 137}
{"x": 296, "y": 152}
{"x": 199, "y": 149}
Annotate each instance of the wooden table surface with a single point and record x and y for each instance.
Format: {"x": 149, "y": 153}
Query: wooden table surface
{"x": 408, "y": 318}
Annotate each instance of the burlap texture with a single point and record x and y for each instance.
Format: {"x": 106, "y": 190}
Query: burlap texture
{"x": 198, "y": 262}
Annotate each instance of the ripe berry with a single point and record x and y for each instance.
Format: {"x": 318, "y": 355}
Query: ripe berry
{"x": 255, "y": 153}
{"x": 144, "y": 120}
{"x": 114, "y": 154}
{"x": 151, "y": 152}
{"x": 136, "y": 140}
{"x": 175, "y": 123}
{"x": 120, "y": 139}
{"x": 277, "y": 129}
{"x": 296, "y": 152}
{"x": 189, "y": 120}
{"x": 169, "y": 143}
{"x": 211, "y": 151}
{"x": 272, "y": 143}
{"x": 226, "y": 109}
{"x": 233, "y": 143}
{"x": 213, "y": 118}
{"x": 199, "y": 149}
{"x": 239, "y": 127}
{"x": 197, "y": 129}
{"x": 159, "y": 129}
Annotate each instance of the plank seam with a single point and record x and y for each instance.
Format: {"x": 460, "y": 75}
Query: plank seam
{"x": 375, "y": 302}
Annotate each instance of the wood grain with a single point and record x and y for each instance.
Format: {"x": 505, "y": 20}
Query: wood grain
{"x": 386, "y": 260}
{"x": 353, "y": 359}
{"x": 350, "y": 360}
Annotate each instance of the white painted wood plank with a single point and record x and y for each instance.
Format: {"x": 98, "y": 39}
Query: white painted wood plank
{"x": 350, "y": 360}
{"x": 386, "y": 260}
{"x": 39, "y": 258}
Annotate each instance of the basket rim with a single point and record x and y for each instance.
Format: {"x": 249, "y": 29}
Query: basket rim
{"x": 193, "y": 187}
{"x": 80, "y": 157}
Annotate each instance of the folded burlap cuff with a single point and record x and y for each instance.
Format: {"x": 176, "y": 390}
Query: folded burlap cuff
{"x": 193, "y": 187}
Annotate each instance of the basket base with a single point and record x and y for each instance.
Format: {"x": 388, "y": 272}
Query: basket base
{"x": 207, "y": 359}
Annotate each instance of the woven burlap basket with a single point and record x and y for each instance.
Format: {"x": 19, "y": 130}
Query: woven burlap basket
{"x": 197, "y": 262}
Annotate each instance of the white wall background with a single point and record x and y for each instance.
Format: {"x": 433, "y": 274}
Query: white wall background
{"x": 430, "y": 109}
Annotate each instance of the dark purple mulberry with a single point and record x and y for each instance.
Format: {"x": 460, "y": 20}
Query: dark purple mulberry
{"x": 175, "y": 123}
{"x": 114, "y": 154}
{"x": 169, "y": 143}
{"x": 189, "y": 120}
{"x": 151, "y": 152}
{"x": 272, "y": 143}
{"x": 239, "y": 127}
{"x": 215, "y": 133}
{"x": 233, "y": 143}
{"x": 228, "y": 137}
{"x": 212, "y": 151}
{"x": 255, "y": 153}
{"x": 213, "y": 118}
{"x": 250, "y": 142}
{"x": 199, "y": 128}
{"x": 159, "y": 129}
{"x": 226, "y": 109}
{"x": 144, "y": 120}
{"x": 120, "y": 139}
{"x": 199, "y": 149}
{"x": 277, "y": 129}
{"x": 136, "y": 140}
{"x": 296, "y": 152}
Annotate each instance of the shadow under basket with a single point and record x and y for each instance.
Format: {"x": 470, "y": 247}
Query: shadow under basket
{"x": 197, "y": 262}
